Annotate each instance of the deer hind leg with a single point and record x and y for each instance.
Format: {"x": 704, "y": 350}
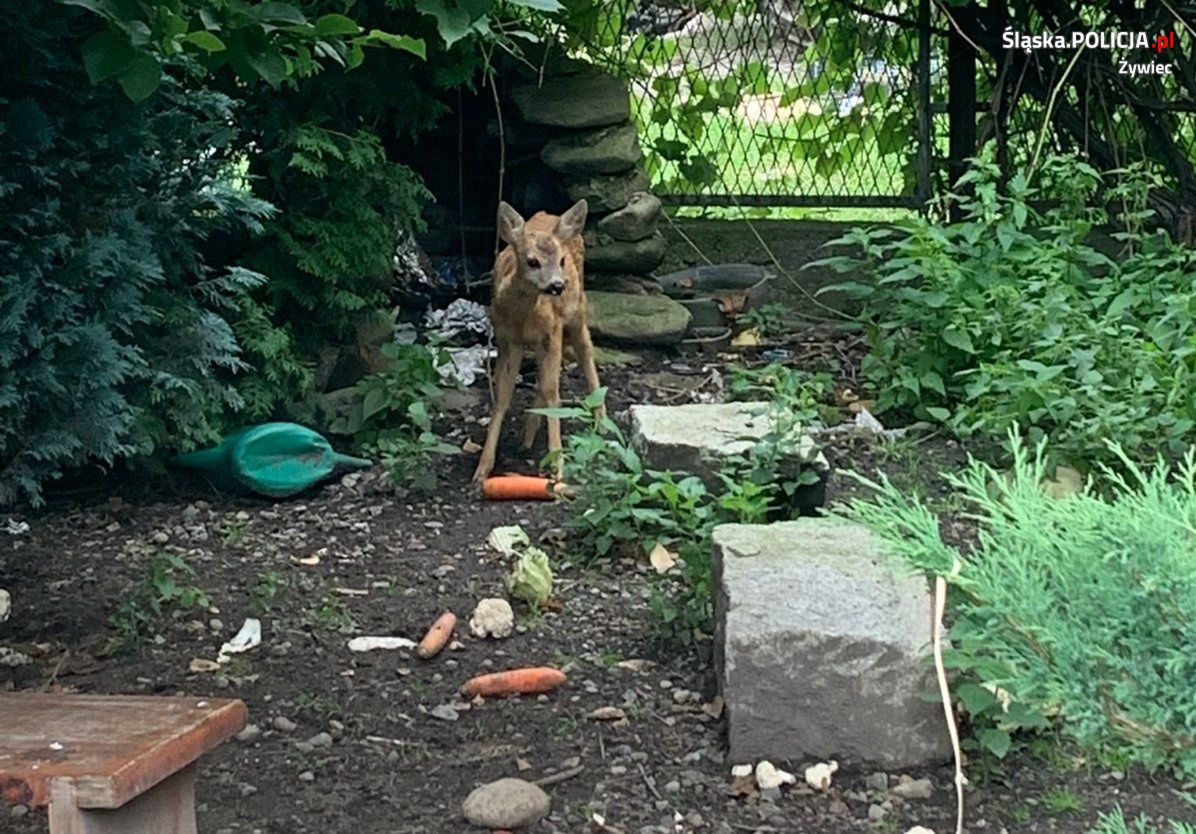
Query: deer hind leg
{"x": 579, "y": 337}
{"x": 506, "y": 373}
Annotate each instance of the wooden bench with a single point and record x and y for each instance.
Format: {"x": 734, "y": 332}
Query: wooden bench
{"x": 110, "y": 764}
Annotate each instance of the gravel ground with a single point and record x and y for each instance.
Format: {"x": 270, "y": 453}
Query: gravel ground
{"x": 380, "y": 742}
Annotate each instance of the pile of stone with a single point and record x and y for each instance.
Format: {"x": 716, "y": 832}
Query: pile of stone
{"x": 579, "y": 119}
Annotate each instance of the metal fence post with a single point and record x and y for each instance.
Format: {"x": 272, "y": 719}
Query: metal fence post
{"x": 961, "y": 106}
{"x": 925, "y": 117}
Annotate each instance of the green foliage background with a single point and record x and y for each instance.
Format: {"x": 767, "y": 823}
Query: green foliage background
{"x": 199, "y": 196}
{"x": 116, "y": 329}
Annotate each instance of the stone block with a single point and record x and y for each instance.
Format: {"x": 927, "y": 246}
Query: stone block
{"x": 821, "y": 641}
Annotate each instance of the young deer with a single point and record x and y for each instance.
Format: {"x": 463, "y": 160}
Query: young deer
{"x": 538, "y": 301}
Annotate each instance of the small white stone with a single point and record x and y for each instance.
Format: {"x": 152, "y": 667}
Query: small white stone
{"x": 770, "y": 776}
{"x": 818, "y": 776}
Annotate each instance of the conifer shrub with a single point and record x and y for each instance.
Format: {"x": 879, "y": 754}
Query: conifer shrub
{"x": 1079, "y": 610}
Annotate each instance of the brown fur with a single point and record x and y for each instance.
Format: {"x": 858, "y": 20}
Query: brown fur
{"x": 525, "y": 318}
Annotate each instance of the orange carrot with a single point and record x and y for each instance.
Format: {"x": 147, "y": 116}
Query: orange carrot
{"x": 517, "y": 488}
{"x": 438, "y": 635}
{"x": 515, "y": 682}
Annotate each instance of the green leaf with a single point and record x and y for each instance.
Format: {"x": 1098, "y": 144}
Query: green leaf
{"x": 958, "y": 339}
{"x": 975, "y": 698}
{"x": 595, "y": 398}
{"x": 939, "y": 413}
{"x": 91, "y": 5}
{"x": 141, "y": 78}
{"x": 278, "y": 13}
{"x": 406, "y": 43}
{"x": 452, "y": 24}
{"x": 561, "y": 413}
{"x": 933, "y": 381}
{"x": 336, "y": 24}
{"x": 540, "y": 5}
{"x": 269, "y": 64}
{"x": 106, "y": 54}
{"x": 995, "y": 741}
{"x": 205, "y": 41}
{"x": 375, "y": 400}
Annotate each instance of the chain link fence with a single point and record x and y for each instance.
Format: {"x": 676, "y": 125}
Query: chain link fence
{"x": 775, "y": 102}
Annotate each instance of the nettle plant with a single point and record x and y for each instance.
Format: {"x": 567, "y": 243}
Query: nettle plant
{"x": 393, "y": 420}
{"x": 1015, "y": 317}
{"x": 625, "y": 508}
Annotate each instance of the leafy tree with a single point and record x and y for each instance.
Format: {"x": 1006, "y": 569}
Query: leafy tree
{"x": 115, "y": 333}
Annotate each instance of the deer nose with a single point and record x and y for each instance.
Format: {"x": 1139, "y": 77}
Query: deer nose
{"x": 555, "y": 287}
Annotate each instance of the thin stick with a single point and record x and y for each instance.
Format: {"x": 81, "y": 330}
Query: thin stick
{"x": 461, "y": 176}
{"x": 559, "y": 777}
{"x": 940, "y": 608}
{"x": 648, "y": 781}
{"x": 959, "y": 29}
{"x": 502, "y": 145}
{"x": 772, "y": 257}
{"x": 686, "y": 238}
{"x": 1187, "y": 25}
{"x": 57, "y": 668}
{"x": 1050, "y": 111}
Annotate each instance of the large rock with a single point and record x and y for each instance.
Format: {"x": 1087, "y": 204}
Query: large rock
{"x": 820, "y": 645}
{"x": 700, "y": 437}
{"x": 641, "y": 256}
{"x": 574, "y": 101}
{"x": 608, "y": 192}
{"x": 607, "y": 151}
{"x": 635, "y": 221}
{"x": 507, "y": 803}
{"x": 622, "y": 282}
{"x": 635, "y": 319}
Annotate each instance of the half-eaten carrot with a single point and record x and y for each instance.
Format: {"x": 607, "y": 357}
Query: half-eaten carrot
{"x": 514, "y": 682}
{"x": 517, "y": 488}
{"x": 438, "y": 635}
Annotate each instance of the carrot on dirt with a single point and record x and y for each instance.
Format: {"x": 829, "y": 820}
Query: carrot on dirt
{"x": 515, "y": 682}
{"x": 517, "y": 488}
{"x": 438, "y": 635}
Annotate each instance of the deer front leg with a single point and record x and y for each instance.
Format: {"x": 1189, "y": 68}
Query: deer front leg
{"x": 550, "y": 389}
{"x": 531, "y": 423}
{"x": 579, "y": 337}
{"x": 506, "y": 373}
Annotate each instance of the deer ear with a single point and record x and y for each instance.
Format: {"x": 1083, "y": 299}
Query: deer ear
{"x": 510, "y": 224}
{"x": 572, "y": 221}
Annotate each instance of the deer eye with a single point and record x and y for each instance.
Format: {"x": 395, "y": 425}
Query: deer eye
{"x": 533, "y": 263}
{"x": 562, "y": 261}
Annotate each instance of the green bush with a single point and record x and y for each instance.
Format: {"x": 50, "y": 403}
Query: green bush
{"x": 115, "y": 330}
{"x": 1013, "y": 318}
{"x": 1080, "y": 608}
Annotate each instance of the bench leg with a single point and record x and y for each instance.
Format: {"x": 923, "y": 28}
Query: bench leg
{"x": 166, "y": 808}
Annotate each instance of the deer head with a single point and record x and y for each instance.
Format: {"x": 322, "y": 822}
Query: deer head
{"x": 540, "y": 257}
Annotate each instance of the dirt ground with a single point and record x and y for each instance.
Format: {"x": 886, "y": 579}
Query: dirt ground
{"x": 388, "y": 566}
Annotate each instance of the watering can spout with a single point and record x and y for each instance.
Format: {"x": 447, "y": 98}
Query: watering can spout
{"x": 350, "y": 462}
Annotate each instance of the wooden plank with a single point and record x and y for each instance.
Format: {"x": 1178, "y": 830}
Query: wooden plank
{"x": 113, "y": 747}
{"x": 166, "y": 808}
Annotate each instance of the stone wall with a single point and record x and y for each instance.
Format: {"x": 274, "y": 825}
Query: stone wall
{"x": 570, "y": 137}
